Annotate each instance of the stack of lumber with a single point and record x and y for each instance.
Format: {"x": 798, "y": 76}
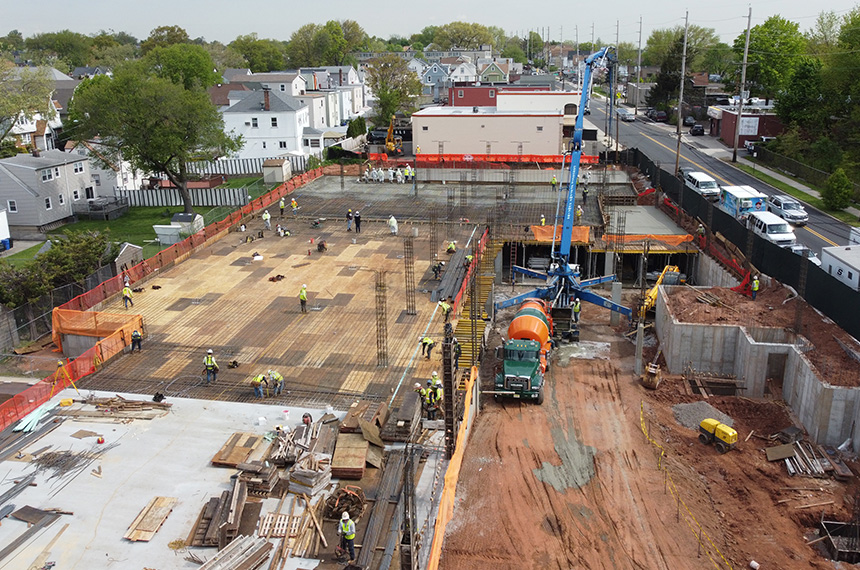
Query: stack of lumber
{"x": 218, "y": 523}
{"x": 349, "y": 498}
{"x": 246, "y": 552}
{"x": 120, "y": 404}
{"x": 150, "y": 519}
{"x": 350, "y": 456}
{"x": 310, "y": 475}
{"x": 452, "y": 278}
{"x": 373, "y": 412}
{"x": 405, "y": 421}
{"x": 237, "y": 450}
{"x": 260, "y": 477}
{"x": 284, "y": 450}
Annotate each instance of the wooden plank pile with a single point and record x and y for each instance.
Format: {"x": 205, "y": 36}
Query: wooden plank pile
{"x": 244, "y": 553}
{"x": 369, "y": 411}
{"x": 300, "y": 535}
{"x": 809, "y": 460}
{"x": 150, "y": 519}
{"x": 350, "y": 456}
{"x": 310, "y": 475}
{"x": 237, "y": 450}
{"x": 218, "y": 522}
{"x": 405, "y": 421}
{"x": 259, "y": 476}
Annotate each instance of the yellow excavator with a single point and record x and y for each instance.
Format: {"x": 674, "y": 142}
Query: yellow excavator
{"x": 671, "y": 275}
{"x": 393, "y": 144}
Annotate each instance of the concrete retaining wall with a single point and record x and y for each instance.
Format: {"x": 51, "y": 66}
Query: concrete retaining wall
{"x": 712, "y": 274}
{"x": 827, "y": 412}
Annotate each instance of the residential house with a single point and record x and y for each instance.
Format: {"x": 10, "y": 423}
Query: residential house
{"x": 271, "y": 123}
{"x": 288, "y": 83}
{"x": 220, "y": 94}
{"x": 417, "y": 66}
{"x": 107, "y": 175}
{"x": 316, "y": 104}
{"x": 481, "y": 95}
{"x": 39, "y": 192}
{"x": 90, "y": 72}
{"x": 493, "y": 72}
{"x": 232, "y": 74}
{"x": 315, "y": 140}
{"x": 436, "y": 80}
{"x": 463, "y": 71}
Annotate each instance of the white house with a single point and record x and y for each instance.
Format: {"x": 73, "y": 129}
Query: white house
{"x": 463, "y": 71}
{"x": 293, "y": 84}
{"x": 270, "y": 123}
{"x": 39, "y": 192}
{"x": 316, "y": 104}
{"x": 107, "y": 176}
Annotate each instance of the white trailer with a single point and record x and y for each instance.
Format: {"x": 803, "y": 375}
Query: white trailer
{"x": 843, "y": 263}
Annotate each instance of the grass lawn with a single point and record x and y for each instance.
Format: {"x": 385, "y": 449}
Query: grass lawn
{"x": 841, "y": 215}
{"x": 24, "y": 256}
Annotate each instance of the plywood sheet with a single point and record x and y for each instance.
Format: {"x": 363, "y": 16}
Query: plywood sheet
{"x": 150, "y": 519}
{"x": 350, "y": 455}
{"x": 237, "y": 450}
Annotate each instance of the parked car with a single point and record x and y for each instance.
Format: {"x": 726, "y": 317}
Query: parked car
{"x": 625, "y": 114}
{"x": 689, "y": 121}
{"x": 788, "y": 209}
{"x": 799, "y": 249}
{"x": 661, "y": 117}
{"x": 651, "y": 112}
{"x": 697, "y": 130}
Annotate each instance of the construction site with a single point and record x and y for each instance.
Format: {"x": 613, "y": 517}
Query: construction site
{"x": 135, "y": 461}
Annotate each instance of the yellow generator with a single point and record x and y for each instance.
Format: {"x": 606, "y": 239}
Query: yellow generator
{"x": 722, "y": 436}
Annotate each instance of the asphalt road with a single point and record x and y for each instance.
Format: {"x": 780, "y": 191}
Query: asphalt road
{"x": 659, "y": 142}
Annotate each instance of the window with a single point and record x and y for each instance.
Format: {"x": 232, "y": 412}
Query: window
{"x": 264, "y": 144}
{"x": 89, "y": 193}
{"x": 61, "y": 199}
{"x": 305, "y": 142}
{"x": 282, "y": 144}
{"x": 492, "y": 93}
{"x": 283, "y": 87}
{"x": 76, "y": 195}
{"x": 97, "y": 179}
{"x": 12, "y": 206}
{"x": 425, "y": 128}
{"x": 460, "y": 93}
{"x": 48, "y": 204}
{"x": 50, "y": 174}
{"x": 274, "y": 121}
{"x": 79, "y": 167}
{"x": 315, "y": 143}
{"x": 850, "y": 275}
{"x": 540, "y": 129}
{"x": 254, "y": 122}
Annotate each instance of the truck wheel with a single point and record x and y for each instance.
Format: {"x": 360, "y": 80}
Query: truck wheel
{"x": 721, "y": 447}
{"x": 540, "y": 397}
{"x": 704, "y": 439}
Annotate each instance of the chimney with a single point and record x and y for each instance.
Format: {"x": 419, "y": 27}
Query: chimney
{"x": 35, "y": 152}
{"x": 266, "y": 105}
{"x": 341, "y": 76}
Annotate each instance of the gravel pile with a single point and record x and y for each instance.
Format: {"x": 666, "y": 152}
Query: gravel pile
{"x": 691, "y": 415}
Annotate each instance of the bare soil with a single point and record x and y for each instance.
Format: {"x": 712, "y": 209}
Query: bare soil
{"x": 574, "y": 483}
{"x": 775, "y": 306}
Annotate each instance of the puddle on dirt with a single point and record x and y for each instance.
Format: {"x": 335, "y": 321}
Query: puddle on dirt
{"x": 577, "y": 463}
{"x": 584, "y": 350}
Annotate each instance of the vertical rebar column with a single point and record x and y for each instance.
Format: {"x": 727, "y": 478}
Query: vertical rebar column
{"x": 409, "y": 266}
{"x": 434, "y": 241}
{"x": 515, "y": 246}
{"x": 408, "y": 523}
{"x": 342, "y": 178}
{"x": 801, "y": 292}
{"x": 381, "y": 324}
{"x": 464, "y": 197}
{"x": 449, "y": 215}
{"x": 619, "y": 247}
{"x": 448, "y": 397}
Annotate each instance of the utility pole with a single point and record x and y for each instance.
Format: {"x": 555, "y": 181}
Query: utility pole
{"x": 743, "y": 88}
{"x": 681, "y": 94}
{"x": 638, "y": 70}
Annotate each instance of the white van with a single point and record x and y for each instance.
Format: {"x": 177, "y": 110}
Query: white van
{"x": 703, "y": 184}
{"x": 772, "y": 228}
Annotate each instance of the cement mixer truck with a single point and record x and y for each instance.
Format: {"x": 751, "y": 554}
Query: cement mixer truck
{"x": 525, "y": 355}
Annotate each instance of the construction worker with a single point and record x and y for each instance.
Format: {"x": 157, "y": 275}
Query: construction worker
{"x": 211, "y": 367}
{"x": 542, "y": 220}
{"x": 282, "y": 204}
{"x": 432, "y": 404}
{"x": 554, "y": 183}
{"x": 452, "y": 247}
{"x": 276, "y": 381}
{"x": 467, "y": 260}
{"x": 434, "y": 378}
{"x": 417, "y": 150}
{"x": 136, "y": 338}
{"x": 295, "y": 206}
{"x": 303, "y": 298}
{"x": 700, "y": 231}
{"x": 267, "y": 219}
{"x": 437, "y": 269}
{"x": 446, "y": 309}
{"x": 257, "y": 383}
{"x": 346, "y": 531}
{"x": 349, "y": 220}
{"x": 422, "y": 395}
{"x": 357, "y": 218}
{"x": 578, "y": 214}
{"x": 577, "y": 307}
{"x": 456, "y": 352}
{"x": 392, "y": 225}
{"x": 427, "y": 345}
{"x": 126, "y": 296}
{"x": 755, "y": 287}
{"x": 584, "y": 193}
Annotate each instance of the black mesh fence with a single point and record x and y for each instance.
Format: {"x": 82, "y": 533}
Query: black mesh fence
{"x": 836, "y": 300}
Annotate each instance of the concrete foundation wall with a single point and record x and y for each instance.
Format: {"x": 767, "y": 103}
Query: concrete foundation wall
{"x": 500, "y": 176}
{"x": 712, "y": 274}
{"x": 75, "y": 345}
{"x": 827, "y": 412}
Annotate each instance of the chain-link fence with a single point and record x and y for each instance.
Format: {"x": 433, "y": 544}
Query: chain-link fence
{"x": 798, "y": 169}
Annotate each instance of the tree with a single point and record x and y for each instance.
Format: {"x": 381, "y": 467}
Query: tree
{"x": 515, "y": 52}
{"x": 394, "y": 85}
{"x": 356, "y": 127}
{"x": 186, "y": 64}
{"x": 354, "y": 35}
{"x": 838, "y": 190}
{"x": 156, "y": 124}
{"x": 23, "y": 92}
{"x": 260, "y": 55}
{"x": 22, "y": 285}
{"x": 65, "y": 48}
{"x": 774, "y": 50}
{"x": 661, "y": 43}
{"x": 800, "y": 103}
{"x": 824, "y": 36}
{"x": 668, "y": 81}
{"x": 718, "y": 58}
{"x": 303, "y": 49}
{"x": 335, "y": 49}
{"x": 164, "y": 36}
{"x": 13, "y": 41}
{"x": 224, "y": 56}
{"x": 76, "y": 255}
{"x": 462, "y": 35}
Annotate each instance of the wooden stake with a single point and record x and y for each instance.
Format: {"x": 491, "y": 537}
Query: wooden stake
{"x": 749, "y": 436}
{"x": 815, "y": 505}
{"x": 316, "y": 522}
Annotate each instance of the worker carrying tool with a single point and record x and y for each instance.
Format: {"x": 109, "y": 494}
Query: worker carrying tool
{"x": 210, "y": 367}
{"x": 257, "y": 383}
{"x": 276, "y": 381}
{"x": 346, "y": 531}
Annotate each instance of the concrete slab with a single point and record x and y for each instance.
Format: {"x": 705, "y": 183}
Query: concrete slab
{"x": 167, "y": 456}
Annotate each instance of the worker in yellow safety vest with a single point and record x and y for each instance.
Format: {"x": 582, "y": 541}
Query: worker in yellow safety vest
{"x": 303, "y": 298}
{"x": 126, "y": 296}
{"x": 755, "y": 287}
{"x": 577, "y": 307}
{"x": 257, "y": 383}
{"x": 346, "y": 530}
{"x": 211, "y": 367}
{"x": 277, "y": 382}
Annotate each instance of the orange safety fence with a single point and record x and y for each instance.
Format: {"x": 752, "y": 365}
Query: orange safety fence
{"x": 452, "y": 474}
{"x": 633, "y": 238}
{"x": 578, "y": 234}
{"x": 117, "y": 338}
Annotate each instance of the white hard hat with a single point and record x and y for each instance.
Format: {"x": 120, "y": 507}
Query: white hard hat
{"x": 344, "y": 516}
{"x": 454, "y": 339}
{"x": 304, "y": 285}
{"x": 209, "y": 351}
{"x": 435, "y": 374}
{"x": 417, "y": 384}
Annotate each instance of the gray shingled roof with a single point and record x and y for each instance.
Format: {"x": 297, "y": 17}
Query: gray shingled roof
{"x": 253, "y": 102}
{"x": 44, "y": 160}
